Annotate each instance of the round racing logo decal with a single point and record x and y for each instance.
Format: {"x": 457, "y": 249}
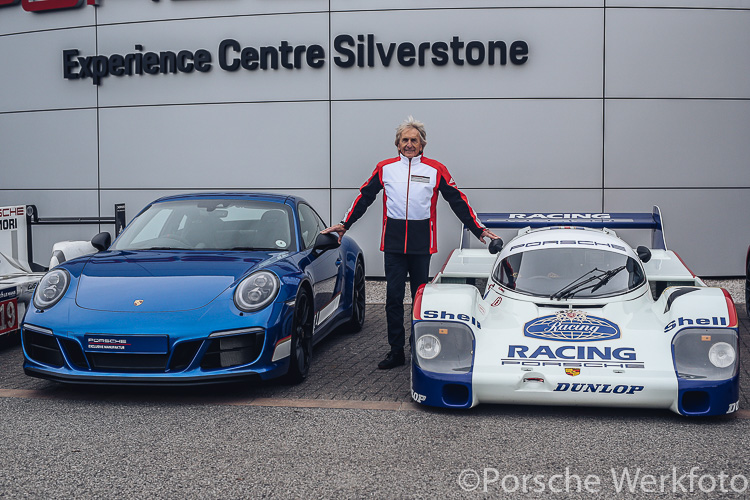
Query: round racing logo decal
{"x": 571, "y": 325}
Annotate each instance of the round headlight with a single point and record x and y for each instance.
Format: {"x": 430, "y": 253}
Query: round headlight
{"x": 428, "y": 346}
{"x": 721, "y": 355}
{"x": 51, "y": 288}
{"x": 256, "y": 291}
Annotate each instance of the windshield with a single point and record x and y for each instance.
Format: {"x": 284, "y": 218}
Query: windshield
{"x": 569, "y": 272}
{"x": 213, "y": 224}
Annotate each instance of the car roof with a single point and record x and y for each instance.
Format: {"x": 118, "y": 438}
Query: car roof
{"x": 271, "y": 197}
{"x": 562, "y": 237}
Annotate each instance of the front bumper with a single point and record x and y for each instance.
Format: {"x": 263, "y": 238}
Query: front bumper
{"x": 626, "y": 390}
{"x": 202, "y": 346}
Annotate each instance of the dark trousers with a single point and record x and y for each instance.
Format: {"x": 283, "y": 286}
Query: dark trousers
{"x": 397, "y": 266}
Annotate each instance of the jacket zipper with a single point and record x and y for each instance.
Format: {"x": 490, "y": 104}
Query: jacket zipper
{"x": 406, "y": 222}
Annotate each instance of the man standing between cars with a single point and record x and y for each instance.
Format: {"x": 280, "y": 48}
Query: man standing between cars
{"x": 409, "y": 237}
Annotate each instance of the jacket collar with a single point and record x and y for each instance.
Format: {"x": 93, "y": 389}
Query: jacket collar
{"x": 414, "y": 161}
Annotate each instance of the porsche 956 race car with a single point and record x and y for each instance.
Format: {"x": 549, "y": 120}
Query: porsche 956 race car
{"x": 572, "y": 315}
{"x": 198, "y": 288}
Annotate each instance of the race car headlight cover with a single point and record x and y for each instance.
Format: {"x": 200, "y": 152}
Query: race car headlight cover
{"x": 256, "y": 291}
{"x": 51, "y": 288}
{"x": 707, "y": 354}
{"x": 443, "y": 347}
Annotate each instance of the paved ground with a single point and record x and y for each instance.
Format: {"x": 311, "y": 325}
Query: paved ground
{"x": 344, "y": 369}
{"x": 331, "y": 438}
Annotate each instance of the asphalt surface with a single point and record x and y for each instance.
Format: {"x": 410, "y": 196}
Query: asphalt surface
{"x": 350, "y": 431}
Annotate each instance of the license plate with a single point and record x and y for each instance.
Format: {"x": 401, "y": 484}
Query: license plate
{"x": 127, "y": 344}
{"x": 8, "y": 310}
{"x": 8, "y": 315}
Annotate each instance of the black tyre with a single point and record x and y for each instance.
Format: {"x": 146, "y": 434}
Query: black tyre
{"x": 302, "y": 339}
{"x": 359, "y": 302}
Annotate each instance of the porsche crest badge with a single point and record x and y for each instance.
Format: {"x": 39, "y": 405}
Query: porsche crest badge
{"x": 573, "y": 372}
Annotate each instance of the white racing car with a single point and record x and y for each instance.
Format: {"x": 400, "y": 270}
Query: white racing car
{"x": 572, "y": 315}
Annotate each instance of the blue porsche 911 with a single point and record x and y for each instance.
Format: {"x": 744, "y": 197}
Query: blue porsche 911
{"x": 198, "y": 288}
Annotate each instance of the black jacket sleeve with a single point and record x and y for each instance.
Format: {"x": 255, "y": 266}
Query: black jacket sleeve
{"x": 367, "y": 194}
{"x": 460, "y": 205}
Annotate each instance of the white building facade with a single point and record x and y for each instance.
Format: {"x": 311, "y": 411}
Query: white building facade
{"x": 534, "y": 106}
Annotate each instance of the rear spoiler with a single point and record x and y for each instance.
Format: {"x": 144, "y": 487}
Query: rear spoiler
{"x": 621, "y": 220}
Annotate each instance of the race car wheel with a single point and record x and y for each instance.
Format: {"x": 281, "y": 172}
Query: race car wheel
{"x": 358, "y": 301}
{"x": 302, "y": 343}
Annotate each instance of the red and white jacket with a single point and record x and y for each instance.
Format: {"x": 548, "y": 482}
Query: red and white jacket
{"x": 409, "y": 203}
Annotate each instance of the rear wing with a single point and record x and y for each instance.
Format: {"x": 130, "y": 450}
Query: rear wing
{"x": 621, "y": 220}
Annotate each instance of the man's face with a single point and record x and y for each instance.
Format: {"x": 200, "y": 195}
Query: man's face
{"x": 409, "y": 145}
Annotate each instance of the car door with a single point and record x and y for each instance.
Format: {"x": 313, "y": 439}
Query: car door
{"x": 324, "y": 268}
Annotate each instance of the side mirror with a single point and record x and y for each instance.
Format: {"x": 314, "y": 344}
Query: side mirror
{"x": 643, "y": 253}
{"x": 325, "y": 242}
{"x": 495, "y": 246}
{"x": 101, "y": 241}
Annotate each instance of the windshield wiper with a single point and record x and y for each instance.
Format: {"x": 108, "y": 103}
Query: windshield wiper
{"x": 606, "y": 277}
{"x": 244, "y": 248}
{"x": 575, "y": 284}
{"x": 578, "y": 286}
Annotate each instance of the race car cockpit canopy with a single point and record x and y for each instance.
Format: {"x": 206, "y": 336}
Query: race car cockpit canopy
{"x": 565, "y": 271}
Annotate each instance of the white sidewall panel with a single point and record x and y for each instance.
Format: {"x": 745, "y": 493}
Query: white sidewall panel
{"x": 49, "y": 150}
{"x": 32, "y": 75}
{"x": 677, "y": 143}
{"x": 239, "y": 146}
{"x": 678, "y": 53}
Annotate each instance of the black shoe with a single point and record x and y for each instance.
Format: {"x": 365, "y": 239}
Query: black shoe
{"x": 394, "y": 359}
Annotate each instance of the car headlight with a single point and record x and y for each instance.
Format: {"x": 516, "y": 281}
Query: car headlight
{"x": 443, "y": 347}
{"x": 256, "y": 291}
{"x": 721, "y": 355}
{"x": 51, "y": 288}
{"x": 708, "y": 354}
{"x": 428, "y": 346}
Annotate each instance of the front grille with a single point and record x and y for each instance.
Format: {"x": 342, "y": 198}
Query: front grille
{"x": 42, "y": 348}
{"x": 75, "y": 353}
{"x": 119, "y": 362}
{"x": 183, "y": 354}
{"x": 234, "y": 350}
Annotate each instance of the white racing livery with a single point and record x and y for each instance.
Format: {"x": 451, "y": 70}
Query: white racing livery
{"x": 572, "y": 315}
{"x": 17, "y": 280}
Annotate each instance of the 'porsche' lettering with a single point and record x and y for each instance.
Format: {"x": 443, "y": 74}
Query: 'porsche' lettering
{"x": 587, "y": 243}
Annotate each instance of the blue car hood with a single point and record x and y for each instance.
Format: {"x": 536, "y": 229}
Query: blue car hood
{"x": 162, "y": 280}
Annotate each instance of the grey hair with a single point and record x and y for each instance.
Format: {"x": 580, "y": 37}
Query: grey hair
{"x": 410, "y": 122}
